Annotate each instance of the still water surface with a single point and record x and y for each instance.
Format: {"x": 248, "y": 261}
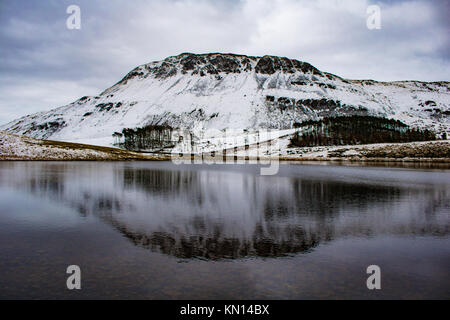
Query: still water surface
{"x": 154, "y": 230}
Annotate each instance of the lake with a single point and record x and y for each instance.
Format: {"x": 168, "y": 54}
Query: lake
{"x": 156, "y": 230}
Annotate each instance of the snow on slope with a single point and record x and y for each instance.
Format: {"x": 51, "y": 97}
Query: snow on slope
{"x": 233, "y": 92}
{"x": 13, "y": 147}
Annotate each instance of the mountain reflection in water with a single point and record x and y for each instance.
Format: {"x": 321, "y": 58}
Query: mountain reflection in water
{"x": 231, "y": 212}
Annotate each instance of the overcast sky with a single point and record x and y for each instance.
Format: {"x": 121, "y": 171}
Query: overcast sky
{"x": 44, "y": 65}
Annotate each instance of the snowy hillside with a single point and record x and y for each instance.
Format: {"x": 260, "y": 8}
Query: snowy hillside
{"x": 13, "y": 147}
{"x": 234, "y": 92}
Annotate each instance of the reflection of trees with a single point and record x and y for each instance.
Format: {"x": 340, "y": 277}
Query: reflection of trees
{"x": 160, "y": 181}
{"x": 183, "y": 213}
{"x": 324, "y": 198}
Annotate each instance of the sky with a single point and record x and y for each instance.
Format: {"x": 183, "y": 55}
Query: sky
{"x": 44, "y": 64}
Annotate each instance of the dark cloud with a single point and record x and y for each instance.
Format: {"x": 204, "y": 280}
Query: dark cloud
{"x": 44, "y": 65}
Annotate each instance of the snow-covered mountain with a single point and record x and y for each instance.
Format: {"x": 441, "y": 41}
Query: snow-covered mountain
{"x": 228, "y": 91}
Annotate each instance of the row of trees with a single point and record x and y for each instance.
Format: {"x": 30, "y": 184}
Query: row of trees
{"x": 351, "y": 130}
{"x": 146, "y": 138}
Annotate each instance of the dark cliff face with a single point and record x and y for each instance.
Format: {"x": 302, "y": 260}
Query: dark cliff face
{"x": 217, "y": 63}
{"x": 270, "y": 65}
{"x": 211, "y": 64}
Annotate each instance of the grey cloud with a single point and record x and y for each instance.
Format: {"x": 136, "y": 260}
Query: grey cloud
{"x": 44, "y": 65}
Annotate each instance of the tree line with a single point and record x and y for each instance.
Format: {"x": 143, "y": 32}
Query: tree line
{"x": 351, "y": 130}
{"x": 145, "y": 138}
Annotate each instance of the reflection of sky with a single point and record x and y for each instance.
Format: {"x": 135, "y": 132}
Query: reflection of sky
{"x": 45, "y": 65}
{"x": 19, "y": 208}
{"x": 165, "y": 207}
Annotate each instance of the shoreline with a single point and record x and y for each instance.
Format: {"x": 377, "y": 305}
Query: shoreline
{"x": 241, "y": 160}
